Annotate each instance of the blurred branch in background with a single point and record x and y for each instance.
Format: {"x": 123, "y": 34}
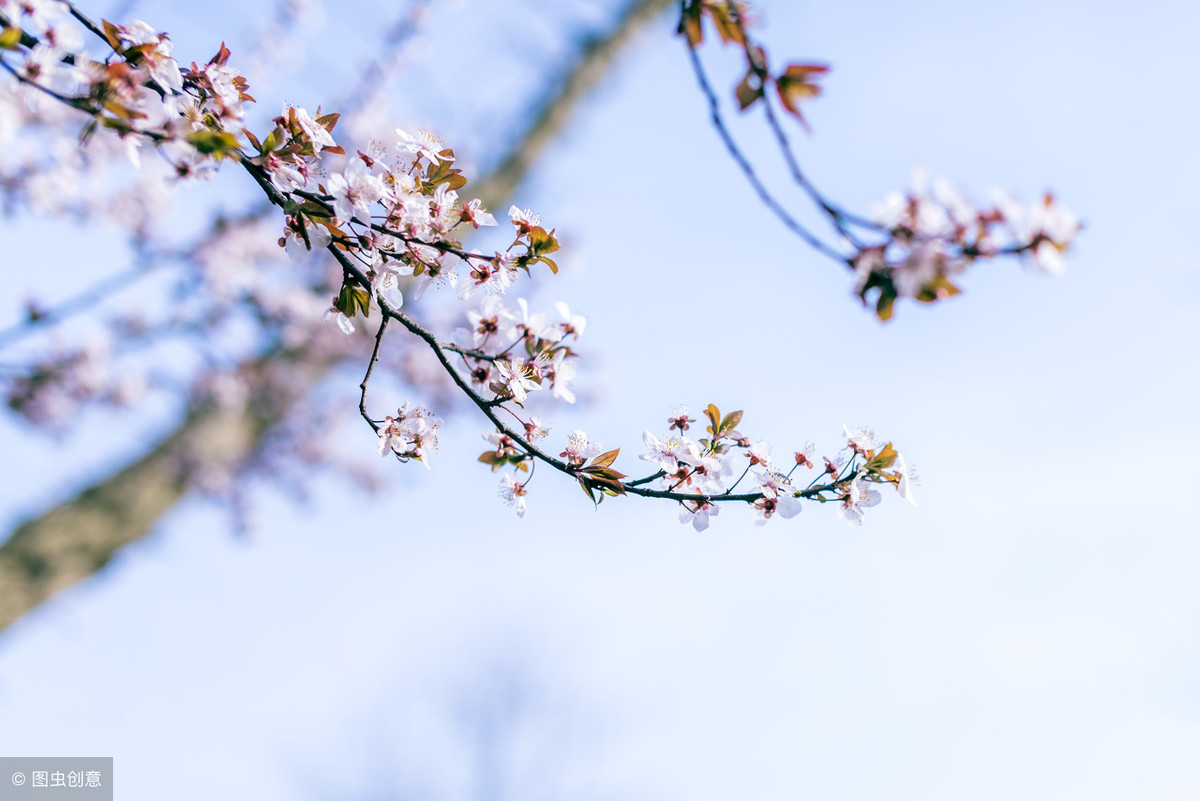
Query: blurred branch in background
{"x": 509, "y": 731}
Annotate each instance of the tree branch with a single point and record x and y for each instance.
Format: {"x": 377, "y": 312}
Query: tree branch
{"x": 80, "y": 536}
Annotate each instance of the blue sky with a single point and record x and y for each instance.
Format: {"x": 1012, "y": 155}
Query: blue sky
{"x": 1028, "y": 631}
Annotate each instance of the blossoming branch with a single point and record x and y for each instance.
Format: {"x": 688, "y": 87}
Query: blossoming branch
{"x": 393, "y": 221}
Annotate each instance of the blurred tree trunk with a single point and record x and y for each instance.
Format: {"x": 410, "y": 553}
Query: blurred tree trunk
{"x": 80, "y": 536}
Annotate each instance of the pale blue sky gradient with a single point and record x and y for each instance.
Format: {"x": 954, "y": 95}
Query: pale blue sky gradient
{"x": 1028, "y": 632}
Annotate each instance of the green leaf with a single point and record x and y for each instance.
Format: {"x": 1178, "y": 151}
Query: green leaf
{"x": 939, "y": 288}
{"x": 274, "y": 139}
{"x": 542, "y": 241}
{"x": 885, "y": 304}
{"x": 121, "y": 111}
{"x": 118, "y": 125}
{"x": 729, "y": 423}
{"x": 352, "y": 299}
{"x": 314, "y": 210}
{"x": 214, "y": 143}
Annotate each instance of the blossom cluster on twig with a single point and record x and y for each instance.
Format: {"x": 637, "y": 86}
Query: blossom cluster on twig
{"x": 395, "y": 213}
{"x": 914, "y": 244}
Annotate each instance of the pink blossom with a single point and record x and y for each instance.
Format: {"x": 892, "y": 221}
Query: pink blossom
{"x": 670, "y": 453}
{"x": 520, "y": 376}
{"x": 578, "y": 449}
{"x": 698, "y": 513}
{"x": 423, "y": 145}
{"x": 313, "y": 130}
{"x": 856, "y": 497}
{"x": 525, "y": 221}
{"x": 474, "y": 214}
{"x": 513, "y": 493}
{"x": 354, "y": 191}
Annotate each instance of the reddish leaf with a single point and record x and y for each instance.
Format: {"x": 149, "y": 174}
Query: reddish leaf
{"x": 221, "y": 57}
{"x": 602, "y": 472}
{"x": 749, "y": 90}
{"x": 610, "y": 486}
{"x": 606, "y": 459}
{"x": 728, "y": 28}
{"x": 111, "y": 34}
{"x": 795, "y": 85}
{"x": 253, "y": 140}
{"x": 690, "y": 23}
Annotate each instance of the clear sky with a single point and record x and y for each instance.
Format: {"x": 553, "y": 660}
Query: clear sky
{"x": 1028, "y": 632}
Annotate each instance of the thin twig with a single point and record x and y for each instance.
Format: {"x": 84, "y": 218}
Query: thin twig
{"x": 739, "y": 158}
{"x": 489, "y": 406}
{"x": 86, "y": 22}
{"x": 362, "y": 400}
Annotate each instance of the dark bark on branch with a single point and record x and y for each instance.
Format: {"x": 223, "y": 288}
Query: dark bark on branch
{"x": 80, "y": 536}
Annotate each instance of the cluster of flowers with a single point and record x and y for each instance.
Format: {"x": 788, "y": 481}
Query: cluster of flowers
{"x": 911, "y": 245}
{"x": 496, "y": 331}
{"x": 697, "y": 473}
{"x": 50, "y": 394}
{"x": 396, "y": 213}
{"x": 193, "y": 114}
{"x": 935, "y": 232}
{"x": 393, "y": 215}
{"x": 411, "y": 434}
{"x": 136, "y": 95}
